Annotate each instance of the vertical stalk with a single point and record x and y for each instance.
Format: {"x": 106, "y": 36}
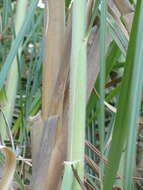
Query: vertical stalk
{"x": 78, "y": 87}
{"x": 102, "y": 77}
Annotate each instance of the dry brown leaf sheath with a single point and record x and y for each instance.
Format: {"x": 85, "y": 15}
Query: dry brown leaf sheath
{"x": 54, "y": 47}
{"x": 54, "y": 79}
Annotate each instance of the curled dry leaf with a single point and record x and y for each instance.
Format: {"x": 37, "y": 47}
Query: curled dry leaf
{"x": 124, "y": 6}
{"x": 9, "y": 168}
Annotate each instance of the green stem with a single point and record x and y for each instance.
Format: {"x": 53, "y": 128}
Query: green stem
{"x": 78, "y": 88}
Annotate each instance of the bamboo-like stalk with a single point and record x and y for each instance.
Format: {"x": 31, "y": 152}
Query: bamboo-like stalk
{"x": 78, "y": 88}
{"x": 12, "y": 80}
